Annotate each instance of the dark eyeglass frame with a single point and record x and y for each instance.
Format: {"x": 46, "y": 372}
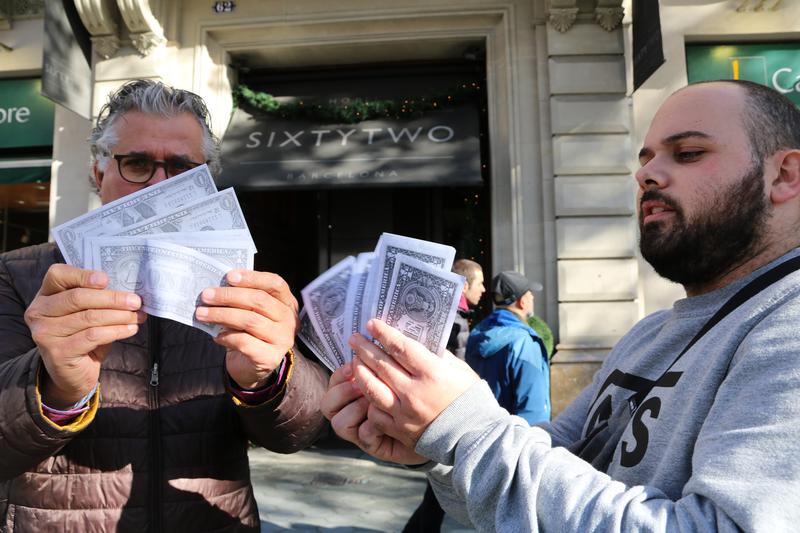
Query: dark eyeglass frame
{"x": 165, "y": 164}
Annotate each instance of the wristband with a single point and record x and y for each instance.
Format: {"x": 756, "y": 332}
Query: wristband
{"x": 80, "y": 404}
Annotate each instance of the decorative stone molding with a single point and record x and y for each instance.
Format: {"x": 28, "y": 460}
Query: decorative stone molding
{"x": 758, "y": 5}
{"x": 98, "y": 17}
{"x": 146, "y": 31}
{"x": 105, "y": 45}
{"x": 609, "y": 18}
{"x": 562, "y": 19}
{"x": 145, "y": 42}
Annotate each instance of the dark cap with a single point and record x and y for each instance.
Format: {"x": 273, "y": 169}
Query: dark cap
{"x": 509, "y": 286}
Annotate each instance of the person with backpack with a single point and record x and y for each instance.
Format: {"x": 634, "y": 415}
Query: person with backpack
{"x": 506, "y": 352}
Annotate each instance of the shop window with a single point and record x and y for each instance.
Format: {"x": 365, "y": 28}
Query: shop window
{"x": 24, "y": 214}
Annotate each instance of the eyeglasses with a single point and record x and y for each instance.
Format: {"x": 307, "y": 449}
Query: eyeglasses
{"x": 140, "y": 168}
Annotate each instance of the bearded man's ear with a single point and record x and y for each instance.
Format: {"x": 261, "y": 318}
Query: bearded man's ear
{"x": 786, "y": 185}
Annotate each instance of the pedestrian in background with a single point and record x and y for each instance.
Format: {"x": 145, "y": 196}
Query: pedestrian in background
{"x": 506, "y": 352}
{"x": 470, "y": 297}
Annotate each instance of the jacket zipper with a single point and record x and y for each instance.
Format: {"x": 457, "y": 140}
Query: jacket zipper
{"x": 156, "y": 469}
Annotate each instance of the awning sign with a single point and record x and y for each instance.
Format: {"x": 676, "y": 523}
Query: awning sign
{"x": 26, "y": 117}
{"x": 774, "y": 65}
{"x": 440, "y": 148}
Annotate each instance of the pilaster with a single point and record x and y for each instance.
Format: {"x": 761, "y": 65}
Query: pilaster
{"x": 595, "y": 224}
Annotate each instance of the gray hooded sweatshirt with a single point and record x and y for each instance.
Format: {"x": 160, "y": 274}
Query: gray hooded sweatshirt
{"x": 716, "y": 448}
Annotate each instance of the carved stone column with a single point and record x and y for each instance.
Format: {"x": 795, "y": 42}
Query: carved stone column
{"x": 99, "y": 18}
{"x": 562, "y": 14}
{"x": 609, "y": 14}
{"x": 146, "y": 32}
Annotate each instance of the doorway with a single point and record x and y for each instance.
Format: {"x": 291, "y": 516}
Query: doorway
{"x": 300, "y": 234}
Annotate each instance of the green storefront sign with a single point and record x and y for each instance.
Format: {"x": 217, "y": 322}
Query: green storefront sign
{"x": 775, "y": 65}
{"x": 26, "y": 117}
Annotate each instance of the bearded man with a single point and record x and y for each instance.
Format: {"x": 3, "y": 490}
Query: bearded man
{"x": 692, "y": 423}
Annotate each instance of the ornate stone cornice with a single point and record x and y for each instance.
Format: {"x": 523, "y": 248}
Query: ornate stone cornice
{"x": 609, "y": 18}
{"x": 105, "y": 45}
{"x": 562, "y": 18}
{"x": 145, "y": 42}
{"x": 146, "y": 31}
{"x": 98, "y": 17}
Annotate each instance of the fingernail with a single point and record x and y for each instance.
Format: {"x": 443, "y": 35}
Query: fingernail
{"x": 348, "y": 370}
{"x": 133, "y": 301}
{"x": 97, "y": 278}
{"x": 208, "y": 295}
{"x": 234, "y": 277}
{"x": 202, "y": 312}
{"x": 133, "y": 328}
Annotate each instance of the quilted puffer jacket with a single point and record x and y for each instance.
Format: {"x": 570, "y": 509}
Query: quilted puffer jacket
{"x": 165, "y": 446}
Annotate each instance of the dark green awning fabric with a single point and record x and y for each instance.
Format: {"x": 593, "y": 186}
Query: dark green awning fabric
{"x": 23, "y": 173}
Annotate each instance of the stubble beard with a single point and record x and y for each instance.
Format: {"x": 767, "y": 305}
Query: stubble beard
{"x": 726, "y": 231}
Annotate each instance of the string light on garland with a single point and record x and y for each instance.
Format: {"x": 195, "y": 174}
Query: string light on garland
{"x": 356, "y": 109}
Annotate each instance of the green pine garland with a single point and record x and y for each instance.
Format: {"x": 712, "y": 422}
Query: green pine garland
{"x": 357, "y": 109}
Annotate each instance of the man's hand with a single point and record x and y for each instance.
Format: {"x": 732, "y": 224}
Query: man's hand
{"x": 73, "y": 320}
{"x": 406, "y": 385}
{"x": 259, "y": 315}
{"x": 347, "y": 409}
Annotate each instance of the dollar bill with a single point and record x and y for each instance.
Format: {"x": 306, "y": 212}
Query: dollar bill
{"x": 422, "y": 302}
{"x": 354, "y": 317}
{"x": 169, "y": 278}
{"x": 132, "y": 209}
{"x": 390, "y": 247}
{"x": 309, "y": 336}
{"x": 220, "y": 211}
{"x": 337, "y": 327}
{"x": 229, "y": 247}
{"x": 324, "y": 300}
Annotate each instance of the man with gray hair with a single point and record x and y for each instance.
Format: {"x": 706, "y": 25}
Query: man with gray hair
{"x": 115, "y": 420}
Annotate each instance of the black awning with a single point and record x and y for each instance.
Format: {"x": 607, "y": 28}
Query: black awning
{"x": 441, "y": 148}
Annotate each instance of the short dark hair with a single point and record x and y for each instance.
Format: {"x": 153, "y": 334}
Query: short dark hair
{"x": 467, "y": 268}
{"x": 771, "y": 120}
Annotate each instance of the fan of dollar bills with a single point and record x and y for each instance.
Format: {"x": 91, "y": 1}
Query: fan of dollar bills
{"x": 166, "y": 243}
{"x": 405, "y": 282}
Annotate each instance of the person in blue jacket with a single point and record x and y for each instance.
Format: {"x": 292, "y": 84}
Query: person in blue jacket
{"x": 509, "y": 354}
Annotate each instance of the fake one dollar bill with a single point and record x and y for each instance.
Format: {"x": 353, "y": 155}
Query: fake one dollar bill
{"x": 390, "y": 248}
{"x": 323, "y": 300}
{"x": 355, "y": 317}
{"x": 309, "y": 336}
{"x": 169, "y": 278}
{"x": 422, "y": 301}
{"x": 231, "y": 247}
{"x": 133, "y": 209}
{"x": 220, "y": 211}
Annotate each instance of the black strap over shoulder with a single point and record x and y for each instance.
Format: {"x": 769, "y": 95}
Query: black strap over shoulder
{"x": 599, "y": 445}
{"x": 742, "y": 295}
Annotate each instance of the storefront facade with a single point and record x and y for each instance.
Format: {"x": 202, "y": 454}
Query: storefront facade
{"x": 43, "y": 157}
{"x": 558, "y": 127}
{"x": 553, "y": 198}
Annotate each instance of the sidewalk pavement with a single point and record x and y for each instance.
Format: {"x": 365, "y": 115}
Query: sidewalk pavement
{"x": 334, "y": 487}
